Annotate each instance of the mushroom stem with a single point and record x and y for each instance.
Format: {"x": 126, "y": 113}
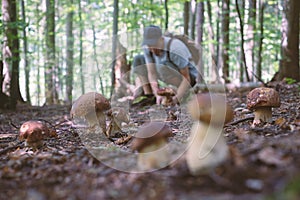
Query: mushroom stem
{"x": 207, "y": 148}
{"x": 102, "y": 122}
{"x": 34, "y": 144}
{"x": 154, "y": 156}
{"x": 262, "y": 114}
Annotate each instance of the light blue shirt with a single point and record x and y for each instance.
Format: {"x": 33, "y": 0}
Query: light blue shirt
{"x": 180, "y": 56}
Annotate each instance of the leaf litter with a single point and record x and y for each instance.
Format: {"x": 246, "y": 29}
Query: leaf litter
{"x": 265, "y": 160}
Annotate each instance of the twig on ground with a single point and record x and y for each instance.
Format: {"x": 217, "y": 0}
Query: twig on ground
{"x": 239, "y": 121}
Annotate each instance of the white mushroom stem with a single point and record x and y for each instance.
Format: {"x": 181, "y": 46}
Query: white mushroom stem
{"x": 154, "y": 156}
{"x": 95, "y": 119}
{"x": 207, "y": 148}
{"x": 262, "y": 114}
{"x": 34, "y": 144}
{"x": 102, "y": 122}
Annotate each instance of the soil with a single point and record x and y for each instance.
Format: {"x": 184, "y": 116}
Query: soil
{"x": 264, "y": 160}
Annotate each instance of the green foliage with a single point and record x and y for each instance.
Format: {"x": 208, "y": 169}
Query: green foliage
{"x": 97, "y": 19}
{"x": 290, "y": 81}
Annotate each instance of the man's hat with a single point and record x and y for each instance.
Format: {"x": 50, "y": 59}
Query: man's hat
{"x": 151, "y": 35}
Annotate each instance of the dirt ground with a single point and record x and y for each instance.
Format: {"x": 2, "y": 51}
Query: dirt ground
{"x": 264, "y": 162}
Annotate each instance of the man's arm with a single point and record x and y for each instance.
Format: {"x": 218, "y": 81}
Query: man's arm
{"x": 152, "y": 77}
{"x": 184, "y": 85}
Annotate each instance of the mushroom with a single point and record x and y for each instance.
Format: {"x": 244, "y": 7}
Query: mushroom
{"x": 261, "y": 100}
{"x": 150, "y": 141}
{"x": 117, "y": 117}
{"x": 33, "y": 132}
{"x": 207, "y": 146}
{"x": 167, "y": 93}
{"x": 90, "y": 108}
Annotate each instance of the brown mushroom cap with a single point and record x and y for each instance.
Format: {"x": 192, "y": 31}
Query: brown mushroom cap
{"x": 168, "y": 92}
{"x": 210, "y": 108}
{"x": 89, "y": 102}
{"x": 149, "y": 133}
{"x": 34, "y": 131}
{"x": 263, "y": 97}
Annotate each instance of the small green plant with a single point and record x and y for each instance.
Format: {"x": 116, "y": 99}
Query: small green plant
{"x": 290, "y": 81}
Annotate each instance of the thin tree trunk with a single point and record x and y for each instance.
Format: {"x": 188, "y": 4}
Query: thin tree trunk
{"x": 260, "y": 41}
{"x": 26, "y": 64}
{"x": 289, "y": 65}
{"x": 215, "y": 78}
{"x": 81, "y": 47}
{"x": 186, "y": 10}
{"x": 69, "y": 54}
{"x": 218, "y": 37}
{"x": 200, "y": 22}
{"x": 242, "y": 39}
{"x": 1, "y": 75}
{"x": 224, "y": 48}
{"x": 249, "y": 37}
{"x": 167, "y": 15}
{"x": 95, "y": 58}
{"x": 114, "y": 44}
{"x": 38, "y": 54}
{"x": 192, "y": 19}
{"x": 50, "y": 53}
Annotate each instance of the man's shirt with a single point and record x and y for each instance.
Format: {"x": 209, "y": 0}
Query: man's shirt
{"x": 179, "y": 55}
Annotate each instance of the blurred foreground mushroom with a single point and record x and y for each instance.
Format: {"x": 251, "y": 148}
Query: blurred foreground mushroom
{"x": 150, "y": 141}
{"x": 207, "y": 146}
{"x": 34, "y": 132}
{"x": 167, "y": 94}
{"x": 90, "y": 108}
{"x": 261, "y": 101}
{"x": 117, "y": 117}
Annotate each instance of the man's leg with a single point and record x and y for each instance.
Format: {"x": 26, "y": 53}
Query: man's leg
{"x": 141, "y": 81}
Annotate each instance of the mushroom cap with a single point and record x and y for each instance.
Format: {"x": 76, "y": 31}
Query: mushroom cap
{"x": 263, "y": 97}
{"x": 33, "y": 131}
{"x": 165, "y": 92}
{"x": 89, "y": 102}
{"x": 210, "y": 108}
{"x": 149, "y": 133}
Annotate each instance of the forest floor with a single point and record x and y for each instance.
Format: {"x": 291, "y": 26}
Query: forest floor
{"x": 264, "y": 162}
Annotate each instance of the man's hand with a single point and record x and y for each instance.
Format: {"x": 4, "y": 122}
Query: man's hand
{"x": 159, "y": 99}
{"x": 175, "y": 100}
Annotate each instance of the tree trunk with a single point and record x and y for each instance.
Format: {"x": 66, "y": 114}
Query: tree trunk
{"x": 249, "y": 37}
{"x": 6, "y": 52}
{"x": 260, "y": 41}
{"x": 289, "y": 64}
{"x": 200, "y": 23}
{"x": 38, "y": 80}
{"x": 224, "y": 48}
{"x": 81, "y": 47}
{"x": 215, "y": 78}
{"x": 69, "y": 54}
{"x": 192, "y": 19}
{"x": 26, "y": 64}
{"x": 1, "y": 75}
{"x": 96, "y": 60}
{"x": 114, "y": 44}
{"x": 186, "y": 10}
{"x": 167, "y": 15}
{"x": 50, "y": 90}
{"x": 242, "y": 39}
{"x": 122, "y": 71}
{"x": 11, "y": 56}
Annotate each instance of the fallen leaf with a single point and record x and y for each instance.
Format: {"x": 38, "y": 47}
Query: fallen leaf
{"x": 280, "y": 121}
